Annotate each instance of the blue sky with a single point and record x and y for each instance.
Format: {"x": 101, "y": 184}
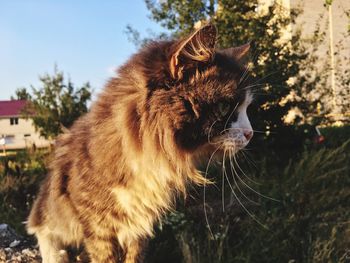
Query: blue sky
{"x": 86, "y": 39}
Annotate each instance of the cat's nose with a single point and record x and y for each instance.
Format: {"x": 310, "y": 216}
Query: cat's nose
{"x": 248, "y": 135}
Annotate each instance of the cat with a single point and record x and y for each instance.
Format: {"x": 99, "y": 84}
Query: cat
{"x": 119, "y": 168}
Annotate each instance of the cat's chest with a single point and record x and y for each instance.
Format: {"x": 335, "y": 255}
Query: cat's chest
{"x": 142, "y": 201}
{"x": 141, "y": 197}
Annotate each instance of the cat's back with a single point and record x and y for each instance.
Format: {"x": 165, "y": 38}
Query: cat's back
{"x": 70, "y": 150}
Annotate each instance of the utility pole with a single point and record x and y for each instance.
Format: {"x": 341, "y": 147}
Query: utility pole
{"x": 331, "y": 49}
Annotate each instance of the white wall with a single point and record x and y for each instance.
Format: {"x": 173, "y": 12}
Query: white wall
{"x": 19, "y": 141}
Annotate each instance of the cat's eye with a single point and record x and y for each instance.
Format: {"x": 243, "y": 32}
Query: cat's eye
{"x": 224, "y": 108}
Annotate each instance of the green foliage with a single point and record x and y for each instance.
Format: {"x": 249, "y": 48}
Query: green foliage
{"x": 314, "y": 210}
{"x": 335, "y": 136}
{"x": 21, "y": 94}
{"x": 20, "y": 175}
{"x": 57, "y": 104}
{"x": 310, "y": 223}
{"x": 180, "y": 16}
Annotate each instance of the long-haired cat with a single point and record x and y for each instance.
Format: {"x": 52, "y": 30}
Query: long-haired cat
{"x": 119, "y": 168}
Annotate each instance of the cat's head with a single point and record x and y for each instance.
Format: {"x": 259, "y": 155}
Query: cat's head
{"x": 197, "y": 92}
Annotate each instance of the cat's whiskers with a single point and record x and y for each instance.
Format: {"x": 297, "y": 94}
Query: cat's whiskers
{"x": 230, "y": 115}
{"x": 247, "y": 70}
{"x": 253, "y": 86}
{"x": 240, "y": 202}
{"x": 239, "y": 129}
{"x": 218, "y": 141}
{"x": 209, "y": 133}
{"x": 249, "y": 67}
{"x": 245, "y": 154}
{"x": 223, "y": 181}
{"x": 229, "y": 143}
{"x": 241, "y": 170}
{"x": 229, "y": 146}
{"x": 233, "y": 172}
{"x": 248, "y": 186}
{"x": 250, "y": 87}
{"x": 204, "y": 187}
{"x": 263, "y": 78}
{"x": 245, "y": 75}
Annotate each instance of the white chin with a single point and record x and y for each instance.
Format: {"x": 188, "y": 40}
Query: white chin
{"x": 232, "y": 143}
{"x": 234, "y": 146}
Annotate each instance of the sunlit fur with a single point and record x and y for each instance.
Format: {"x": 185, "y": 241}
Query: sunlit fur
{"x": 119, "y": 168}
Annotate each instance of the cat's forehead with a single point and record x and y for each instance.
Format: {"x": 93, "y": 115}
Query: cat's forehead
{"x": 218, "y": 82}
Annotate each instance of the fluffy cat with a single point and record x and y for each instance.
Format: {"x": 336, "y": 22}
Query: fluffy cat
{"x": 119, "y": 167}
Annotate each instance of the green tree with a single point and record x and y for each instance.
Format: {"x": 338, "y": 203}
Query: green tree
{"x": 56, "y": 104}
{"x": 21, "y": 94}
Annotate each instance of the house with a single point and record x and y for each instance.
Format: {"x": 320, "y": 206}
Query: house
{"x": 17, "y": 132}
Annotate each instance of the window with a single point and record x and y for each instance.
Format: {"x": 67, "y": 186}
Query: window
{"x": 14, "y": 121}
{"x": 27, "y": 135}
{"x": 9, "y": 138}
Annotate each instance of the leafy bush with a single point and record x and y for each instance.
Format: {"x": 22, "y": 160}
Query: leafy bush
{"x": 20, "y": 175}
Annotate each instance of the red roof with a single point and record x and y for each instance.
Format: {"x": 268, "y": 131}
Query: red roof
{"x": 10, "y": 108}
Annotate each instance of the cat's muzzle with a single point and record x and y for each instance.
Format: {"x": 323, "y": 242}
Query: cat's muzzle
{"x": 235, "y": 141}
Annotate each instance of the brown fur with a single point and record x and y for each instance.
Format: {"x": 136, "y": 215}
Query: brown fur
{"x": 119, "y": 168}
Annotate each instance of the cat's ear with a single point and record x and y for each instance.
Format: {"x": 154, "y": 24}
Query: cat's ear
{"x": 239, "y": 54}
{"x": 197, "y": 48}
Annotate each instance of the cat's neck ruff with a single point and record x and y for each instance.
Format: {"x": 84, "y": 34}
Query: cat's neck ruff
{"x": 150, "y": 192}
